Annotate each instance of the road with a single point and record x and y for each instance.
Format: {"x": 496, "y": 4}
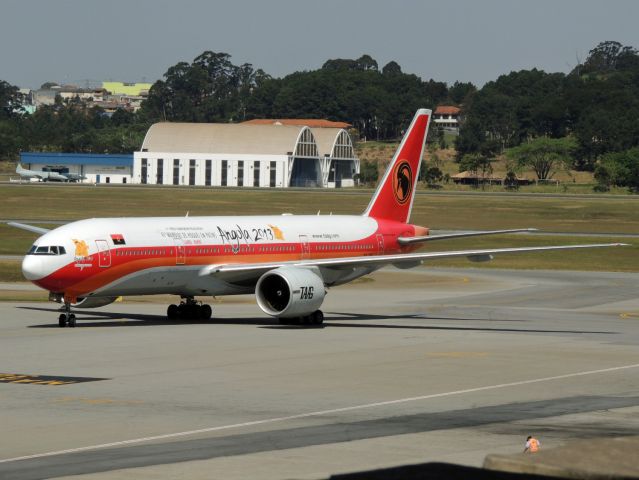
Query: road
{"x": 425, "y": 365}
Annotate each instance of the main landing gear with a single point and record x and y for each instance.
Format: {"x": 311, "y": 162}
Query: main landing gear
{"x": 315, "y": 318}
{"x": 189, "y": 309}
{"x": 66, "y": 319}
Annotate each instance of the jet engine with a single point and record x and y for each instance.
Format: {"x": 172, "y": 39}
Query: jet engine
{"x": 290, "y": 292}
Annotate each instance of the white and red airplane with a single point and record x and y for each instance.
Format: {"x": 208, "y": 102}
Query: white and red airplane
{"x": 288, "y": 261}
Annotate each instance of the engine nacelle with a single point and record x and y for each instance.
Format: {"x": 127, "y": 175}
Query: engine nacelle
{"x": 83, "y": 302}
{"x": 94, "y": 302}
{"x": 290, "y": 292}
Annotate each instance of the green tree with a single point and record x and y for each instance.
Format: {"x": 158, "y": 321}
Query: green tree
{"x": 510, "y": 181}
{"x": 10, "y": 121}
{"x": 368, "y": 172}
{"x": 392, "y": 68}
{"x": 460, "y": 92}
{"x": 433, "y": 175}
{"x": 340, "y": 64}
{"x": 609, "y": 56}
{"x": 544, "y": 155}
{"x": 122, "y": 117}
{"x": 513, "y": 109}
{"x": 476, "y": 163}
{"x": 619, "y": 169}
{"x": 210, "y": 89}
{"x": 10, "y": 101}
{"x": 366, "y": 62}
{"x": 10, "y": 141}
{"x": 479, "y": 164}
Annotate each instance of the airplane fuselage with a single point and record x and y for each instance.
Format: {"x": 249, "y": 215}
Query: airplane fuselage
{"x": 136, "y": 256}
{"x": 41, "y": 175}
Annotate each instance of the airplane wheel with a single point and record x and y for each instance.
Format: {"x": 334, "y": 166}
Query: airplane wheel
{"x": 318, "y": 317}
{"x": 71, "y": 321}
{"x": 205, "y": 312}
{"x": 172, "y": 312}
{"x": 62, "y": 320}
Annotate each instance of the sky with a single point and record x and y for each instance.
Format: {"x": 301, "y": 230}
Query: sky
{"x": 80, "y": 41}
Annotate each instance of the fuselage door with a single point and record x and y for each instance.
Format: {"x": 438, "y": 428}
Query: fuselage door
{"x": 306, "y": 248}
{"x": 180, "y": 253}
{"x": 104, "y": 253}
{"x": 380, "y": 243}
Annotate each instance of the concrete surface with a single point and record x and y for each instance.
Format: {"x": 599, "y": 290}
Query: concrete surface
{"x": 411, "y": 367}
{"x": 585, "y": 459}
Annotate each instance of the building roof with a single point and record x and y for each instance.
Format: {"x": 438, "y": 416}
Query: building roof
{"x": 307, "y": 122}
{"x": 58, "y": 158}
{"x": 474, "y": 175}
{"x": 127, "y": 88}
{"x": 467, "y": 174}
{"x": 227, "y": 138}
{"x": 447, "y": 110}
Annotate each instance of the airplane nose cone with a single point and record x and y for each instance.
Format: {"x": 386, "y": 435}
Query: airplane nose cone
{"x": 32, "y": 268}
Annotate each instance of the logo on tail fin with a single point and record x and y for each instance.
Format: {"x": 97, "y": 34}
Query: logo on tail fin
{"x": 394, "y": 196}
{"x": 402, "y": 181}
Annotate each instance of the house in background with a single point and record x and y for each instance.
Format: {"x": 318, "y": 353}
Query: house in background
{"x": 447, "y": 117}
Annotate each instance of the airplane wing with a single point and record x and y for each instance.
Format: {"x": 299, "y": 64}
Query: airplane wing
{"x": 30, "y": 228}
{"x": 448, "y": 236}
{"x": 252, "y": 271}
{"x": 27, "y": 174}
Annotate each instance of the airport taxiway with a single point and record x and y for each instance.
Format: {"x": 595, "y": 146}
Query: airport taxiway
{"x": 424, "y": 365}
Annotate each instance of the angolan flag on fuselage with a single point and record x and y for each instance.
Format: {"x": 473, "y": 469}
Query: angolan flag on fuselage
{"x": 118, "y": 239}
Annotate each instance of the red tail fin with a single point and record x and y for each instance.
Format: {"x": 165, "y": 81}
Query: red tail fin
{"x": 393, "y": 199}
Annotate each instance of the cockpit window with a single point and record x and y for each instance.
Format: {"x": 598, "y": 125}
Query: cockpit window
{"x": 46, "y": 250}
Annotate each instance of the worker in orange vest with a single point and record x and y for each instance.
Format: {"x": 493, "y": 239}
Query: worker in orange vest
{"x": 532, "y": 445}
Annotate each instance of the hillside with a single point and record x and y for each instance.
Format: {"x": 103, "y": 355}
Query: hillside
{"x": 380, "y": 154}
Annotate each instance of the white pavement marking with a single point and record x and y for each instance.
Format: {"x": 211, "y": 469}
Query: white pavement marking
{"x": 318, "y": 413}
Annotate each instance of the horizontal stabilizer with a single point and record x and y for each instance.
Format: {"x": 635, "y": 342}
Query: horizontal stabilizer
{"x": 430, "y": 238}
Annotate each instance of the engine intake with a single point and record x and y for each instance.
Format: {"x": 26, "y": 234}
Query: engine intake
{"x": 288, "y": 292}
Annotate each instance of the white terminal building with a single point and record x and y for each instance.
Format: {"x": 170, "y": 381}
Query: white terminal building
{"x": 263, "y": 153}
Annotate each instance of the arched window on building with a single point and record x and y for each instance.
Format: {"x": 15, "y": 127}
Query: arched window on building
{"x": 305, "y": 169}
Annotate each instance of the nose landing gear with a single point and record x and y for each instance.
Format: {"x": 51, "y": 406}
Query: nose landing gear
{"x": 66, "y": 319}
{"x": 189, "y": 309}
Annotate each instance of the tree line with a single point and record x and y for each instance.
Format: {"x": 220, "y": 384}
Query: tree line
{"x": 379, "y": 103}
{"x": 586, "y": 119}
{"x": 65, "y": 126}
